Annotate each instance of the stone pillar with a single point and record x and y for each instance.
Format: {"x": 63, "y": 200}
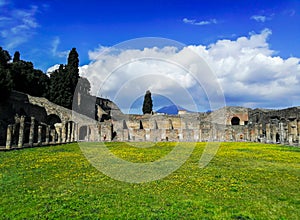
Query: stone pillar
{"x": 298, "y": 131}
{"x": 256, "y": 132}
{"x": 75, "y": 132}
{"x": 69, "y": 132}
{"x": 52, "y": 133}
{"x": 251, "y": 133}
{"x": 246, "y": 134}
{"x": 260, "y": 130}
{"x": 21, "y": 131}
{"x": 72, "y": 132}
{"x": 9, "y": 136}
{"x": 47, "y": 134}
{"x": 268, "y": 133}
{"x": 290, "y": 135}
{"x": 200, "y": 135}
{"x": 87, "y": 133}
{"x": 274, "y": 132}
{"x": 63, "y": 132}
{"x": 233, "y": 134}
{"x": 31, "y": 132}
{"x": 59, "y": 135}
{"x": 40, "y": 127}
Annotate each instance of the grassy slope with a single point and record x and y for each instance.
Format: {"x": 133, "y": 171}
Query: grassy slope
{"x": 243, "y": 181}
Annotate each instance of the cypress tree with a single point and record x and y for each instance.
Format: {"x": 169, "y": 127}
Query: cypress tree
{"x": 16, "y": 57}
{"x": 147, "y": 105}
{"x": 64, "y": 80}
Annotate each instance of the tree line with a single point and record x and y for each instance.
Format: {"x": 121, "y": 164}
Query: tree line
{"x": 59, "y": 87}
{"x": 20, "y": 75}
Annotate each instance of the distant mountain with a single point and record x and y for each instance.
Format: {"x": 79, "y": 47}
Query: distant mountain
{"x": 171, "y": 109}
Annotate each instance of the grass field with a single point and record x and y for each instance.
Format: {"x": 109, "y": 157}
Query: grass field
{"x": 243, "y": 181}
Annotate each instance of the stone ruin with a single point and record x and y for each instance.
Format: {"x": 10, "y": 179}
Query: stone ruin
{"x": 27, "y": 121}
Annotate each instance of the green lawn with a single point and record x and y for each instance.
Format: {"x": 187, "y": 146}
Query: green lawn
{"x": 243, "y": 181}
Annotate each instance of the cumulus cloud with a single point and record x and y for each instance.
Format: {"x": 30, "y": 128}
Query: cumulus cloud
{"x": 200, "y": 23}
{"x": 246, "y": 70}
{"x": 17, "y": 25}
{"x": 52, "y": 69}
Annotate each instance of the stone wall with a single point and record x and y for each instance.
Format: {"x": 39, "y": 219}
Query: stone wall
{"x": 29, "y": 121}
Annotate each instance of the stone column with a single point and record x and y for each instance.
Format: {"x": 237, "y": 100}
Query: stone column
{"x": 251, "y": 132}
{"x": 9, "y": 136}
{"x": 274, "y": 132}
{"x": 233, "y": 134}
{"x": 246, "y": 134}
{"x": 290, "y": 135}
{"x": 281, "y": 131}
{"x": 21, "y": 131}
{"x": 72, "y": 132}
{"x": 47, "y": 134}
{"x": 298, "y": 131}
{"x": 63, "y": 132}
{"x": 40, "y": 127}
{"x": 75, "y": 132}
{"x": 87, "y": 133}
{"x": 69, "y": 132}
{"x": 200, "y": 135}
{"x": 31, "y": 132}
{"x": 268, "y": 133}
{"x": 261, "y": 134}
{"x": 59, "y": 135}
{"x": 52, "y": 132}
{"x": 256, "y": 132}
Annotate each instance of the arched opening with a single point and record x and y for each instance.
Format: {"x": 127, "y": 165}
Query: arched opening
{"x": 83, "y": 132}
{"x": 52, "y": 119}
{"x": 235, "y": 121}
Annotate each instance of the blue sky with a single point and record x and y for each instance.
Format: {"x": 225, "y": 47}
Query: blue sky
{"x": 44, "y": 31}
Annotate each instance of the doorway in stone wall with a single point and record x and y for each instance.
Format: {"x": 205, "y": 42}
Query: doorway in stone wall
{"x": 235, "y": 121}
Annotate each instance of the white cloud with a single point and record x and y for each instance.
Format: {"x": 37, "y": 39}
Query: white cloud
{"x": 17, "y": 25}
{"x": 260, "y": 18}
{"x": 52, "y": 69}
{"x": 200, "y": 23}
{"x": 247, "y": 69}
{"x": 54, "y": 48}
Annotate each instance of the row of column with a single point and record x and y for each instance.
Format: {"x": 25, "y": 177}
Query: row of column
{"x": 63, "y": 133}
{"x": 288, "y": 132}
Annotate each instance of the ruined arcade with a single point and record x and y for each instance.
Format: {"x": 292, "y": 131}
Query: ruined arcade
{"x": 36, "y": 121}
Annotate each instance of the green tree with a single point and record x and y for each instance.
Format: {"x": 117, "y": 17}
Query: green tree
{"x": 147, "y": 105}
{"x": 5, "y": 83}
{"x": 72, "y": 69}
{"x": 27, "y": 79}
{"x": 5, "y": 75}
{"x": 22, "y": 74}
{"x": 40, "y": 84}
{"x": 4, "y": 58}
{"x": 59, "y": 91}
{"x": 64, "y": 80}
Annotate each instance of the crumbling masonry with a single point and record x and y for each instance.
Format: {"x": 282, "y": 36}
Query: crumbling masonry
{"x": 37, "y": 121}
